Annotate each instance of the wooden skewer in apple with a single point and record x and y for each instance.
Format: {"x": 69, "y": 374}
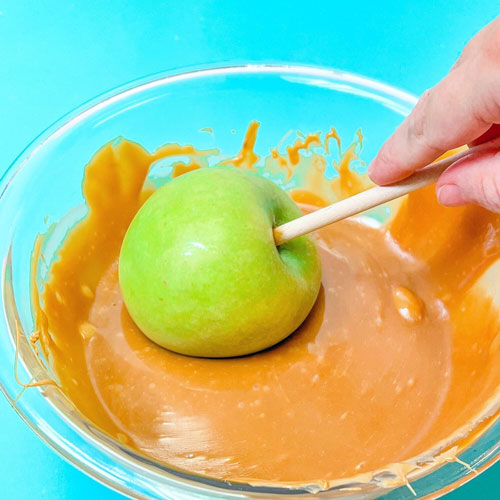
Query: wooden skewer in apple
{"x": 372, "y": 197}
{"x": 199, "y": 271}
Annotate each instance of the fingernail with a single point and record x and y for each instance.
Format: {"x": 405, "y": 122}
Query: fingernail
{"x": 450, "y": 195}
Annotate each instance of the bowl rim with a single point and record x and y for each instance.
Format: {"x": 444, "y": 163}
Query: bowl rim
{"x": 101, "y": 101}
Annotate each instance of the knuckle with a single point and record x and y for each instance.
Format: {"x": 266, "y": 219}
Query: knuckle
{"x": 416, "y": 124}
{"x": 491, "y": 45}
{"x": 490, "y": 99}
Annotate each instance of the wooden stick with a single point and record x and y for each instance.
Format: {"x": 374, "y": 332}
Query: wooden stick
{"x": 373, "y": 197}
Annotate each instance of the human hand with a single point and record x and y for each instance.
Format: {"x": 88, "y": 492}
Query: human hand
{"x": 464, "y": 108}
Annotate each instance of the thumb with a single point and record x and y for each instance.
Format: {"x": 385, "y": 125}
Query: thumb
{"x": 458, "y": 110}
{"x": 447, "y": 116}
{"x": 474, "y": 179}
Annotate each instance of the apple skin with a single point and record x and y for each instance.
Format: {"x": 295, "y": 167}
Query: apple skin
{"x": 200, "y": 273}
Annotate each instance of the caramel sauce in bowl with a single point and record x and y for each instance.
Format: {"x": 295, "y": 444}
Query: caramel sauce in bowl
{"x": 394, "y": 374}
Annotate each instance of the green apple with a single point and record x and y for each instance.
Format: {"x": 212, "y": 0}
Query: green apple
{"x": 199, "y": 270}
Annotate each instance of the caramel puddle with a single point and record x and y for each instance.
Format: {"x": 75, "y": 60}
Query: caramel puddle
{"x": 358, "y": 387}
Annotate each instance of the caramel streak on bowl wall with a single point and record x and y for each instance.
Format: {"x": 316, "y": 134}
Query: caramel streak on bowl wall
{"x": 397, "y": 360}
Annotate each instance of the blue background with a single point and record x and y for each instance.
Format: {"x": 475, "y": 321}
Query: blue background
{"x": 54, "y": 55}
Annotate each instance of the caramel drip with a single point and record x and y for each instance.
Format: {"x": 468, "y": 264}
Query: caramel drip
{"x": 246, "y": 158}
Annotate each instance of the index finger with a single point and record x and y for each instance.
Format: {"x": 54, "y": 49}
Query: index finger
{"x": 447, "y": 116}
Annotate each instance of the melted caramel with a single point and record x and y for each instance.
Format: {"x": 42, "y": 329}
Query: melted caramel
{"x": 408, "y": 304}
{"x": 400, "y": 350}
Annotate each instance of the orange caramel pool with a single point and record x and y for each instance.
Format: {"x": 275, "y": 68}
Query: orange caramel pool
{"x": 397, "y": 359}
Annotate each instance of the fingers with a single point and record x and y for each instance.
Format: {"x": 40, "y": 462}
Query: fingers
{"x": 464, "y": 108}
{"x": 474, "y": 179}
{"x": 457, "y": 111}
{"x": 446, "y": 117}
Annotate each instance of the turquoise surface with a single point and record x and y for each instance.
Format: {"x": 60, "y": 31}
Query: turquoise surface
{"x": 56, "y": 54}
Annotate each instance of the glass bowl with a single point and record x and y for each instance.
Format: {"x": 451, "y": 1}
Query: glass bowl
{"x": 44, "y": 184}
